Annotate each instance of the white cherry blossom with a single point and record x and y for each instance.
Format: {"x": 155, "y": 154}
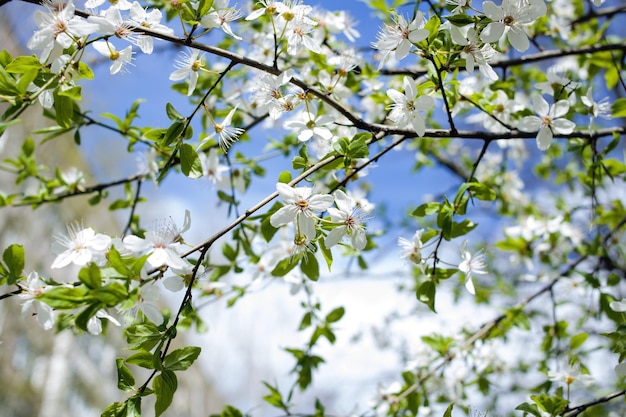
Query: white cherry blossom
{"x": 215, "y": 172}
{"x": 299, "y": 32}
{"x": 309, "y": 125}
{"x": 548, "y": 121}
{"x": 187, "y": 66}
{"x": 163, "y": 244}
{"x": 80, "y": 246}
{"x": 150, "y": 20}
{"x": 474, "y": 52}
{"x": 471, "y": 264}
{"x": 120, "y": 58}
{"x": 268, "y": 7}
{"x": 597, "y": 109}
{"x": 399, "y": 37}
{"x": 58, "y": 24}
{"x": 290, "y": 10}
{"x": 32, "y": 288}
{"x": 110, "y": 22}
{"x": 149, "y": 296}
{"x": 509, "y": 19}
{"x": 226, "y": 133}
{"x": 406, "y": 107}
{"x": 350, "y": 218}
{"x": 412, "y": 249}
{"x": 300, "y": 207}
{"x": 221, "y": 16}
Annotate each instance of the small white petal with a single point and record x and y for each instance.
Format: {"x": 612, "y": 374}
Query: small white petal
{"x": 544, "y": 138}
{"x": 518, "y": 38}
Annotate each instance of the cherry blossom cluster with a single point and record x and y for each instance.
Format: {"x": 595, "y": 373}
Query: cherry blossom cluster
{"x": 411, "y": 250}
{"x": 302, "y": 207}
{"x": 81, "y": 246}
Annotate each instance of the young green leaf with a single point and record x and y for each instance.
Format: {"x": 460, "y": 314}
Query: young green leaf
{"x": 164, "y": 386}
{"x": 182, "y": 358}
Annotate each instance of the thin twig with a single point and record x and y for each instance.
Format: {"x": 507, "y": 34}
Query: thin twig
{"x": 574, "y": 411}
{"x": 133, "y": 207}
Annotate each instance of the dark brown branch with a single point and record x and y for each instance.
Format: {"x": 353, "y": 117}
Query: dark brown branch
{"x": 574, "y": 411}
{"x": 10, "y": 294}
{"x": 87, "y": 190}
{"x": 133, "y": 208}
{"x": 527, "y": 59}
{"x": 605, "y": 12}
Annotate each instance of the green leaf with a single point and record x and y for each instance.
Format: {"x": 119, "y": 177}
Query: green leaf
{"x": 448, "y": 412}
{"x": 550, "y": 404}
{"x": 577, "y": 340}
{"x": 327, "y": 253}
{"x": 164, "y": 386}
{"x": 111, "y": 295}
{"x": 142, "y": 336}
{"x": 229, "y": 252}
{"x": 72, "y": 92}
{"x": 460, "y": 19}
{"x": 129, "y": 408}
{"x": 274, "y": 398}
{"x": 426, "y": 209}
{"x": 426, "y": 294}
{"x": 13, "y": 258}
{"x": 181, "y": 359}
{"x": 125, "y": 378}
{"x": 155, "y": 135}
{"x": 529, "y": 408}
{"x": 173, "y": 114}
{"x": 358, "y": 146}
{"x": 144, "y": 359}
{"x": 26, "y": 79}
{"x": 5, "y": 125}
{"x": 267, "y": 230}
{"x": 23, "y": 64}
{"x": 81, "y": 320}
{"x": 230, "y": 411}
{"x": 335, "y": 315}
{"x": 283, "y": 267}
{"x": 284, "y": 177}
{"x": 482, "y": 192}
{"x": 189, "y": 162}
{"x": 63, "y": 298}
{"x": 90, "y": 276}
{"x": 64, "y": 107}
{"x": 618, "y": 109}
{"x": 445, "y": 273}
{"x": 306, "y": 321}
{"x": 203, "y": 7}
{"x": 461, "y": 229}
{"x": 432, "y": 26}
{"x": 173, "y": 133}
{"x": 84, "y": 71}
{"x": 310, "y": 266}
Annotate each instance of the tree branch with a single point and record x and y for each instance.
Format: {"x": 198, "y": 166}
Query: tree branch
{"x": 527, "y": 59}
{"x": 574, "y": 411}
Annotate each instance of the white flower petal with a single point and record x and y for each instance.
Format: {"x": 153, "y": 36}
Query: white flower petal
{"x": 518, "y": 38}
{"x": 563, "y": 126}
{"x": 529, "y": 124}
{"x": 284, "y": 215}
{"x": 492, "y": 33}
{"x": 335, "y": 236}
{"x": 544, "y": 138}
{"x": 492, "y": 11}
